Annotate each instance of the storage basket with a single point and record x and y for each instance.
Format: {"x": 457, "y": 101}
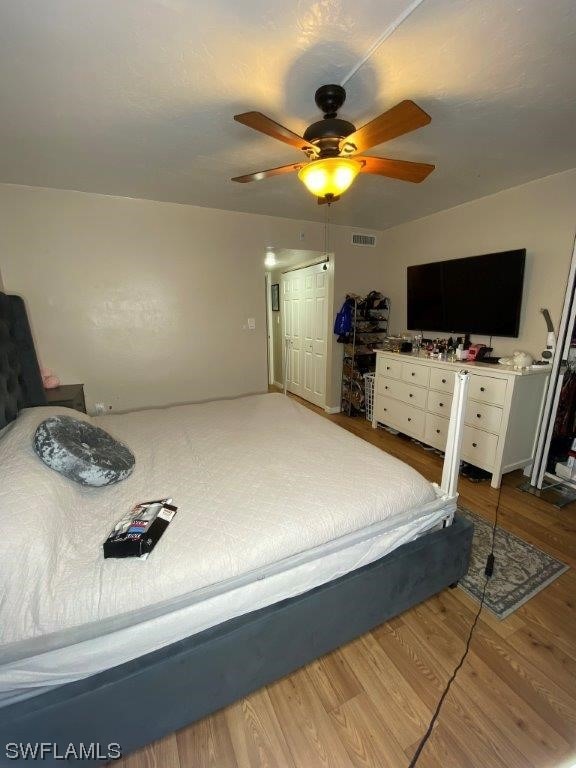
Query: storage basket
{"x": 369, "y": 394}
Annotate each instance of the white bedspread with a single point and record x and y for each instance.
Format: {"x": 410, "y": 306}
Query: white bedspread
{"x": 256, "y": 480}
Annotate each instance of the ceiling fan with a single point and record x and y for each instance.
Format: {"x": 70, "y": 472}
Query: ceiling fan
{"x": 332, "y": 146}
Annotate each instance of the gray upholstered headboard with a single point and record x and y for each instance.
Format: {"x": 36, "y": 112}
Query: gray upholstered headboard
{"x": 20, "y": 380}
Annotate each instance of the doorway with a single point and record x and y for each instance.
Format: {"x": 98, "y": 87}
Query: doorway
{"x": 299, "y": 325}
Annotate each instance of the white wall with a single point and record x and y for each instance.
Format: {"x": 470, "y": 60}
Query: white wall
{"x": 145, "y": 302}
{"x": 539, "y": 216}
{"x": 276, "y": 332}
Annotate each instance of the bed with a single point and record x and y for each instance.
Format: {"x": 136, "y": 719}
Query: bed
{"x": 292, "y": 537}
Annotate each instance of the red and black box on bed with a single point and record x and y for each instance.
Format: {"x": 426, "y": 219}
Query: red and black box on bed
{"x": 136, "y": 534}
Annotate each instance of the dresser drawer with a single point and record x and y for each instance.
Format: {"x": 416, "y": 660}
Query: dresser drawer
{"x": 440, "y": 403}
{"x": 479, "y": 447}
{"x": 487, "y": 389}
{"x": 416, "y": 374}
{"x": 384, "y": 385}
{"x": 436, "y": 431}
{"x": 415, "y": 396}
{"x": 384, "y": 409}
{"x": 442, "y": 380}
{"x": 400, "y": 416}
{"x": 391, "y": 368}
{"x": 483, "y": 416}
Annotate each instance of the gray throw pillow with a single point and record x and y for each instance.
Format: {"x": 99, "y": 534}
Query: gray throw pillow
{"x": 82, "y": 452}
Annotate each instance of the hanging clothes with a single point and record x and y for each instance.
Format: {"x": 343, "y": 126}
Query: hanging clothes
{"x": 566, "y": 413}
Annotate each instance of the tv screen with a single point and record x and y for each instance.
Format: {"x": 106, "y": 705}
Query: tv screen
{"x": 478, "y": 295}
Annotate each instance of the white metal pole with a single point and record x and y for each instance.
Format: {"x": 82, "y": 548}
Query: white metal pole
{"x": 451, "y": 467}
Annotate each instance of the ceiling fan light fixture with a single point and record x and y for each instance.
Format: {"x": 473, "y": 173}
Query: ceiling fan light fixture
{"x": 329, "y": 177}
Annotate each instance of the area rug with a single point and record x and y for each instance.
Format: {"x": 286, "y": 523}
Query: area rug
{"x": 520, "y": 569}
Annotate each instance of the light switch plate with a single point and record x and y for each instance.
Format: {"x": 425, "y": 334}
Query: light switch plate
{"x": 251, "y": 323}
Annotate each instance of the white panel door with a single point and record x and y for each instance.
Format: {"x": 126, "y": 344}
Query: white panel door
{"x": 305, "y": 293}
{"x": 315, "y": 333}
{"x": 291, "y": 287}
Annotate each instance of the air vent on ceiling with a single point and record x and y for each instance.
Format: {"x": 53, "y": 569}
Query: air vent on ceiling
{"x": 365, "y": 240}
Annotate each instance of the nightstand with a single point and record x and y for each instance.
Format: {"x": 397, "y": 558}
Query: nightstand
{"x": 68, "y": 396}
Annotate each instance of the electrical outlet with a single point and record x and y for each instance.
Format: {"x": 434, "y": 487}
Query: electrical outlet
{"x": 251, "y": 323}
{"x": 99, "y": 408}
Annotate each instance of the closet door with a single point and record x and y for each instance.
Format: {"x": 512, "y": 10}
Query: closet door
{"x": 305, "y": 297}
{"x": 315, "y": 346}
{"x": 291, "y": 287}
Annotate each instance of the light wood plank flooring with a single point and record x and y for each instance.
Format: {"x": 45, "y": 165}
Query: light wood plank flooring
{"x": 513, "y": 704}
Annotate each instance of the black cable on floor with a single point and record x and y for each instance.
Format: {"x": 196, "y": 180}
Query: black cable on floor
{"x": 488, "y": 571}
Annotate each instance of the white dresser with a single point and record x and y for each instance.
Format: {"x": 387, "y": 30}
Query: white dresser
{"x": 413, "y": 394}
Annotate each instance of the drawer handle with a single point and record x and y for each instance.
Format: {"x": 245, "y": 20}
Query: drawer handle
{"x": 385, "y": 386}
{"x": 437, "y": 431}
{"x": 411, "y": 395}
{"x": 482, "y": 389}
{"x": 387, "y": 367}
{"x": 441, "y": 405}
{"x": 478, "y": 415}
{"x": 385, "y": 409}
{"x": 409, "y": 418}
{"x": 443, "y": 381}
{"x": 474, "y": 445}
{"x": 412, "y": 374}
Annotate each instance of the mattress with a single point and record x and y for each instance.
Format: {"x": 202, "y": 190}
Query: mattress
{"x": 273, "y": 500}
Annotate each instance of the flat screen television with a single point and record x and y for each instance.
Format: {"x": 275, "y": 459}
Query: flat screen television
{"x": 478, "y": 295}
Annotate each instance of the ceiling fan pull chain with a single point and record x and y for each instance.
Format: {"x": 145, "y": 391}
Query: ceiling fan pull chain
{"x": 326, "y": 222}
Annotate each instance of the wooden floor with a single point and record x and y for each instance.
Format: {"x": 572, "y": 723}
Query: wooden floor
{"x": 367, "y": 704}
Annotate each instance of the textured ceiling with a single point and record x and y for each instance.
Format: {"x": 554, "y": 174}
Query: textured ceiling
{"x": 136, "y": 97}
{"x": 288, "y": 258}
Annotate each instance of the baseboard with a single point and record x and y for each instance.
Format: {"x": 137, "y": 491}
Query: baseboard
{"x": 334, "y": 409}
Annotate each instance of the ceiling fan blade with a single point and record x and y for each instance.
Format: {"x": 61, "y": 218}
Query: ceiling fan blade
{"x": 259, "y": 175}
{"x": 266, "y": 125}
{"x": 402, "y": 118}
{"x": 396, "y": 169}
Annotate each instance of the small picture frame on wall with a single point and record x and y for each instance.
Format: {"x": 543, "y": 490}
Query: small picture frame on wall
{"x": 275, "y": 297}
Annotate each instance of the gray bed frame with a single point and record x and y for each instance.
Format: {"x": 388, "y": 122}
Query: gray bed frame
{"x": 142, "y": 700}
